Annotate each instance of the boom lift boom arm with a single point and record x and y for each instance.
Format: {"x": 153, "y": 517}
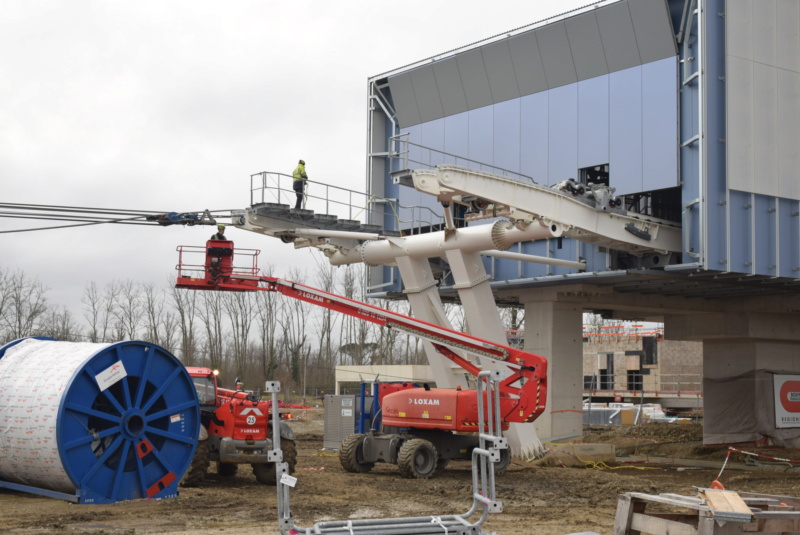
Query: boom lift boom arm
{"x": 524, "y": 390}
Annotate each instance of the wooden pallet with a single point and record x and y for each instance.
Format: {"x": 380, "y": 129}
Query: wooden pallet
{"x": 711, "y": 512}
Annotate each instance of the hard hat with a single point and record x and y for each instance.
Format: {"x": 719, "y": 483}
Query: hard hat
{"x": 302, "y": 162}
{"x": 221, "y": 226}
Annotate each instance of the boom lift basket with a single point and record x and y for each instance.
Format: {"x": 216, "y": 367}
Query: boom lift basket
{"x": 222, "y": 263}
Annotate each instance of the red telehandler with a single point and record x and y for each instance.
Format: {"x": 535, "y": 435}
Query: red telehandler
{"x": 236, "y": 429}
{"x": 429, "y": 426}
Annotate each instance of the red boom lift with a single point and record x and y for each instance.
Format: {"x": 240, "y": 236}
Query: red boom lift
{"x": 430, "y": 423}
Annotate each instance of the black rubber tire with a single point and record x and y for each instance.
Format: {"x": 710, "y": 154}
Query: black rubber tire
{"x": 351, "y": 455}
{"x": 198, "y": 468}
{"x": 417, "y": 459}
{"x": 227, "y": 469}
{"x": 265, "y": 472}
{"x": 505, "y": 460}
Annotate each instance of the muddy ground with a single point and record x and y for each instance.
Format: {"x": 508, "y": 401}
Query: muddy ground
{"x": 538, "y": 500}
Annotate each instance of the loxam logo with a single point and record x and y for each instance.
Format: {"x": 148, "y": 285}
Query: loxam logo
{"x": 254, "y": 410}
{"x": 312, "y": 297}
{"x": 423, "y": 401}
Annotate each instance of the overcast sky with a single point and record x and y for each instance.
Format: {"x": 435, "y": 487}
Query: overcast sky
{"x": 172, "y": 105}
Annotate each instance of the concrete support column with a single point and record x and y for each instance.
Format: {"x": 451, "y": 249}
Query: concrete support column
{"x": 739, "y": 402}
{"x": 741, "y": 355}
{"x": 554, "y": 331}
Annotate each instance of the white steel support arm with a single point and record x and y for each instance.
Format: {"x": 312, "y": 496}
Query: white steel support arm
{"x": 483, "y": 321}
{"x": 521, "y": 201}
{"x": 423, "y": 296}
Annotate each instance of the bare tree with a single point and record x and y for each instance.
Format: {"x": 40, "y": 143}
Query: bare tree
{"x": 25, "y": 304}
{"x": 268, "y": 308}
{"x": 185, "y": 304}
{"x": 325, "y": 357}
{"x": 59, "y": 324}
{"x": 355, "y": 333}
{"x": 92, "y": 310}
{"x": 293, "y": 325}
{"x": 239, "y": 308}
{"x": 109, "y": 305}
{"x": 128, "y": 311}
{"x": 210, "y": 312}
{"x": 160, "y": 323}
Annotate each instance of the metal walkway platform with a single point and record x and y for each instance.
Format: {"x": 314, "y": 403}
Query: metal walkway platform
{"x": 328, "y": 212}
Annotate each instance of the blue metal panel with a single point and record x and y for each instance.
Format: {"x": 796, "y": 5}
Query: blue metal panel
{"x": 456, "y": 135}
{"x": 507, "y": 134}
{"x": 534, "y": 143}
{"x": 563, "y": 133}
{"x": 481, "y": 133}
{"x": 789, "y": 238}
{"x": 537, "y": 248}
{"x": 766, "y": 247}
{"x": 414, "y": 152}
{"x": 432, "y": 136}
{"x": 715, "y": 207}
{"x": 660, "y": 124}
{"x": 690, "y": 164}
{"x": 595, "y": 260}
{"x": 563, "y": 249}
{"x": 741, "y": 229}
{"x": 626, "y": 130}
{"x": 593, "y": 122}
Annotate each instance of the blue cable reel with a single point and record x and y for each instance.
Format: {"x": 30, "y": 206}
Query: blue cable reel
{"x": 126, "y": 421}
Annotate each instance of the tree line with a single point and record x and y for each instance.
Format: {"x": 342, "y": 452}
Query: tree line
{"x": 256, "y": 336}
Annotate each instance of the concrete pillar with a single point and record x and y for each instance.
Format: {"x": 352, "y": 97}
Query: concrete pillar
{"x": 554, "y": 331}
{"x": 741, "y": 355}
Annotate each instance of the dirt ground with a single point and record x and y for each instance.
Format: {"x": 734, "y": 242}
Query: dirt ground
{"x": 537, "y": 500}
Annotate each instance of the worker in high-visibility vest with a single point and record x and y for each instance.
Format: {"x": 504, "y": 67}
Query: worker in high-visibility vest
{"x": 220, "y": 235}
{"x": 299, "y": 175}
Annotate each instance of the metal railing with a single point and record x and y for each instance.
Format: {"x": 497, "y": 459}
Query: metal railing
{"x": 640, "y": 385}
{"x": 347, "y": 204}
{"x": 484, "y": 496}
{"x": 405, "y": 154}
{"x": 244, "y": 262}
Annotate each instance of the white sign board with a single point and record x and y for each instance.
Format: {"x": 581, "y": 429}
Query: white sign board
{"x": 787, "y": 401}
{"x": 110, "y": 375}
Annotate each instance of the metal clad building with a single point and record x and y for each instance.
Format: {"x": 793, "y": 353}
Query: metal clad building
{"x": 620, "y": 84}
{"x": 690, "y": 109}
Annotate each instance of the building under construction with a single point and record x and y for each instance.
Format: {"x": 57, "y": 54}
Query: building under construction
{"x": 682, "y": 114}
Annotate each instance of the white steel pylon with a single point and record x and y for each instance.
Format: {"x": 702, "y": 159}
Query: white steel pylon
{"x": 483, "y": 321}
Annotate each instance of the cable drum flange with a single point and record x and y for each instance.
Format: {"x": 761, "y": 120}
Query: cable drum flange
{"x": 95, "y": 423}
